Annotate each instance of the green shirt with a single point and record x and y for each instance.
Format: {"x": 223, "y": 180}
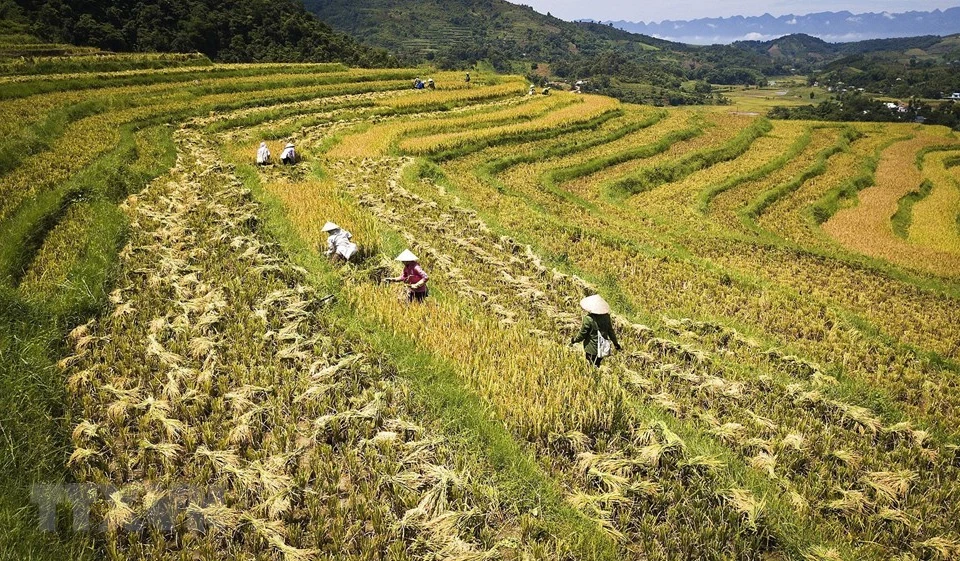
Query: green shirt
{"x": 594, "y": 324}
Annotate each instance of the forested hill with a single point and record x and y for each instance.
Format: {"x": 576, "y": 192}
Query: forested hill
{"x": 515, "y": 38}
{"x": 450, "y": 31}
{"x": 224, "y": 30}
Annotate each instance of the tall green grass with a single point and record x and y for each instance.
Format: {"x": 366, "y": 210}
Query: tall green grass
{"x": 34, "y": 426}
{"x": 34, "y": 62}
{"x": 903, "y": 218}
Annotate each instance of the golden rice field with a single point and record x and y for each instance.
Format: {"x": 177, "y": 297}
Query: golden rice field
{"x": 787, "y": 295}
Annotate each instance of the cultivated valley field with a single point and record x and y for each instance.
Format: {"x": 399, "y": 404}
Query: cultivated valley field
{"x": 787, "y": 294}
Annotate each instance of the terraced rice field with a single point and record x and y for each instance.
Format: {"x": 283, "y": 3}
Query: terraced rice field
{"x": 787, "y": 294}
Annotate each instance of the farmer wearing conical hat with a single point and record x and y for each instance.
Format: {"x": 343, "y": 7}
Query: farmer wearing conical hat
{"x": 263, "y": 154}
{"x": 339, "y": 245}
{"x": 413, "y": 276}
{"x": 289, "y": 154}
{"x": 597, "y": 333}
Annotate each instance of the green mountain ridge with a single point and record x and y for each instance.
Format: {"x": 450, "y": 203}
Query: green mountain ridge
{"x": 458, "y": 34}
{"x": 514, "y": 38}
{"x": 224, "y": 30}
{"x": 491, "y": 29}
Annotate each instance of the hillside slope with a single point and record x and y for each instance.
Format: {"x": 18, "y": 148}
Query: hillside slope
{"x": 462, "y": 29}
{"x": 228, "y": 31}
{"x": 514, "y": 38}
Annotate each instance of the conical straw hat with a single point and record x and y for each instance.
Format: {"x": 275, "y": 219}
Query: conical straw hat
{"x": 329, "y": 227}
{"x": 289, "y": 145}
{"x": 407, "y": 256}
{"x": 595, "y": 305}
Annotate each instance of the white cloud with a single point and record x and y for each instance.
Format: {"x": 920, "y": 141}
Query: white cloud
{"x": 755, "y": 37}
{"x": 792, "y": 22}
{"x": 693, "y": 9}
{"x": 854, "y": 19}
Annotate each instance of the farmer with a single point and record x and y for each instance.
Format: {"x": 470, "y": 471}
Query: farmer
{"x": 289, "y": 154}
{"x": 431, "y": 85}
{"x": 413, "y": 276}
{"x": 467, "y": 79}
{"x": 339, "y": 246}
{"x": 533, "y": 90}
{"x": 263, "y": 154}
{"x": 597, "y": 333}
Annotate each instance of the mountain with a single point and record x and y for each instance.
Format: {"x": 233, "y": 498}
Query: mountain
{"x": 802, "y": 49}
{"x": 224, "y": 30}
{"x": 515, "y": 38}
{"x": 451, "y": 31}
{"x": 829, "y": 26}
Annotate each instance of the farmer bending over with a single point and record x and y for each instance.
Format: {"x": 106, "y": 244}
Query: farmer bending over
{"x": 263, "y": 154}
{"x": 339, "y": 246}
{"x": 289, "y": 155}
{"x": 413, "y": 276}
{"x": 597, "y": 332}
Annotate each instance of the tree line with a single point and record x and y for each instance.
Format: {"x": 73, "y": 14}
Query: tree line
{"x": 224, "y": 30}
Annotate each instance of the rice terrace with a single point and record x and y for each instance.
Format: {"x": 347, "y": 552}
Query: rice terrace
{"x": 184, "y": 374}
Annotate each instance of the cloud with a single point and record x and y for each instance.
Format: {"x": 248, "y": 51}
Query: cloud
{"x": 755, "y": 37}
{"x": 693, "y": 9}
{"x": 854, "y": 19}
{"x": 792, "y": 22}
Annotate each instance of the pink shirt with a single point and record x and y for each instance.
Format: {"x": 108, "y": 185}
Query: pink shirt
{"x": 414, "y": 273}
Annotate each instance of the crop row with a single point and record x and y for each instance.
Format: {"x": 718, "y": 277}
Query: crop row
{"x": 867, "y": 227}
{"x": 248, "y": 426}
{"x": 774, "y": 408}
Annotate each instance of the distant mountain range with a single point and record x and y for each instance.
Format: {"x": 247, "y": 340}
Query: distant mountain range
{"x": 829, "y": 26}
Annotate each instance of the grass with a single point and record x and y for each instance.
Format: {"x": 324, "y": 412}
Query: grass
{"x": 34, "y": 431}
{"x": 762, "y": 100}
{"x": 40, "y": 136}
{"x": 35, "y": 424}
{"x": 904, "y": 216}
{"x": 99, "y": 63}
{"x": 752, "y": 212}
{"x": 650, "y": 178}
{"x": 707, "y": 195}
{"x": 844, "y": 195}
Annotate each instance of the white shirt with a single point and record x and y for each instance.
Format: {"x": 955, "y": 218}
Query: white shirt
{"x": 263, "y": 154}
{"x": 339, "y": 241}
{"x": 288, "y": 153}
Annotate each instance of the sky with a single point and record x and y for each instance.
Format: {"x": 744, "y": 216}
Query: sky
{"x": 654, "y": 10}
